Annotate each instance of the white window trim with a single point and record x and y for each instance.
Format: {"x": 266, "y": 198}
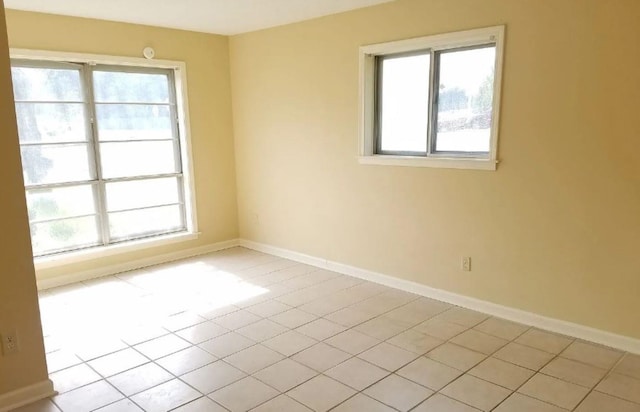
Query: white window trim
{"x": 182, "y": 102}
{"x": 366, "y": 150}
{"x": 83, "y": 255}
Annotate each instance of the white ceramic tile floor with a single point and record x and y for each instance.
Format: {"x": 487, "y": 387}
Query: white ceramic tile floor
{"x": 241, "y": 330}
{"x": 398, "y": 392}
{"x": 285, "y": 375}
{"x": 321, "y": 393}
{"x": 429, "y": 373}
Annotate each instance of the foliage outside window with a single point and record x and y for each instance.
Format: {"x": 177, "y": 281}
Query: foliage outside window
{"x": 101, "y": 153}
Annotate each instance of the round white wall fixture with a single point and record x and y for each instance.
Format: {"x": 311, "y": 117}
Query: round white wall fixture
{"x": 148, "y": 52}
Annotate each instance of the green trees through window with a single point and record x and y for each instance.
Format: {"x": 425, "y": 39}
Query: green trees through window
{"x": 100, "y": 152}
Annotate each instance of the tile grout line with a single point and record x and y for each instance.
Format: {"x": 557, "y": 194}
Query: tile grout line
{"x": 538, "y": 371}
{"x": 605, "y": 376}
{"x": 322, "y": 294}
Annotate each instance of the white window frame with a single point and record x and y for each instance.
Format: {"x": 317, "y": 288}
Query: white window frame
{"x": 367, "y": 108}
{"x": 182, "y": 108}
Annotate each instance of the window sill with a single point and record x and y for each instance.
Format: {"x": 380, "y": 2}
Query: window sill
{"x": 438, "y": 162}
{"x": 68, "y": 258}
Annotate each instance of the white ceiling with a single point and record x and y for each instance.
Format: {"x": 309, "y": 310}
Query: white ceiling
{"x": 209, "y": 16}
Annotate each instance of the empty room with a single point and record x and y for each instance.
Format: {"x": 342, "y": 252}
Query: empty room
{"x": 320, "y": 205}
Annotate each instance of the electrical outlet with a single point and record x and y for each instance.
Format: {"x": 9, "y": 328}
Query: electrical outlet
{"x": 466, "y": 263}
{"x": 10, "y": 343}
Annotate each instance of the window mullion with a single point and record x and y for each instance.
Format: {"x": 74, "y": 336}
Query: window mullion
{"x": 434, "y": 68}
{"x": 175, "y": 123}
{"x": 178, "y": 153}
{"x": 100, "y": 189}
{"x": 377, "y": 126}
{"x": 182, "y": 200}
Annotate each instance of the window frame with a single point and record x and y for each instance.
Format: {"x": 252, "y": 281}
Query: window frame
{"x": 371, "y": 56}
{"x": 178, "y": 87}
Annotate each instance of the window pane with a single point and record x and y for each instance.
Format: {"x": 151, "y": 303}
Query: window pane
{"x": 404, "y": 103}
{"x": 60, "y": 202}
{"x": 146, "y": 222}
{"x": 40, "y": 84}
{"x": 51, "y": 122}
{"x": 111, "y": 86}
{"x": 465, "y": 100}
{"x": 55, "y": 163}
{"x": 127, "y": 122}
{"x": 137, "y": 158}
{"x": 142, "y": 193}
{"x": 66, "y": 234}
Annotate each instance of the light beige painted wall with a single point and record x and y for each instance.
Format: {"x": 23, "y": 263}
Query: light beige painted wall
{"x": 209, "y": 92}
{"x": 18, "y": 298}
{"x": 555, "y": 230}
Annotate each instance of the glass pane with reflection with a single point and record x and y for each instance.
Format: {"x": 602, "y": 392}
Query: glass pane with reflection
{"x": 403, "y": 99}
{"x": 465, "y": 100}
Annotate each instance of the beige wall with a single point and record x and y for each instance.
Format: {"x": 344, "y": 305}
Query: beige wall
{"x": 18, "y": 298}
{"x": 555, "y": 230}
{"x": 209, "y": 91}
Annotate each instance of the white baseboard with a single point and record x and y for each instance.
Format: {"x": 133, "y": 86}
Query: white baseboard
{"x": 516, "y": 315}
{"x": 26, "y": 395}
{"x": 132, "y": 265}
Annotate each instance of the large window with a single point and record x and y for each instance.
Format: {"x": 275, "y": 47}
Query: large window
{"x": 432, "y": 101}
{"x": 101, "y": 153}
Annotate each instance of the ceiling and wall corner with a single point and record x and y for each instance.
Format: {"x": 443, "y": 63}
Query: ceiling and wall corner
{"x": 226, "y": 17}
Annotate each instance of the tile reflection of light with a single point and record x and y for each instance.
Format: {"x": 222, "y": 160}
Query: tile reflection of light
{"x": 98, "y": 310}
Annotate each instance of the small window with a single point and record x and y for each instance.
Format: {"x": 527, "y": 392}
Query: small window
{"x": 102, "y": 154}
{"x": 432, "y": 101}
